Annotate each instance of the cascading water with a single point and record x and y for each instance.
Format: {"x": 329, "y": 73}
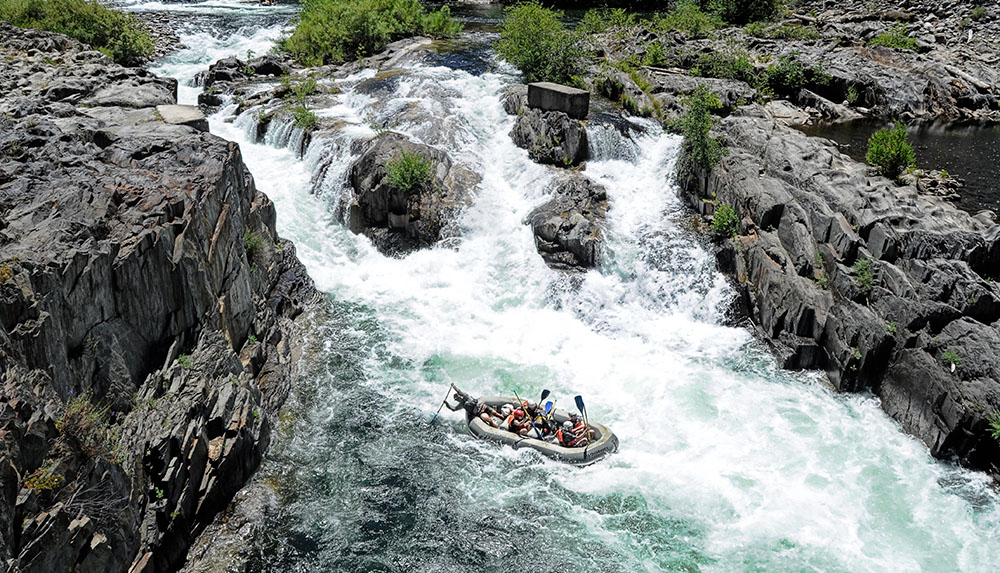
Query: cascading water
{"x": 726, "y": 462}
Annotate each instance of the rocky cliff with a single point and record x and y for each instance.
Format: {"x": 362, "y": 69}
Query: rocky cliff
{"x": 146, "y": 330}
{"x": 884, "y": 285}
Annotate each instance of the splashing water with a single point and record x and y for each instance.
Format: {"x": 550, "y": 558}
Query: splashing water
{"x": 726, "y": 463}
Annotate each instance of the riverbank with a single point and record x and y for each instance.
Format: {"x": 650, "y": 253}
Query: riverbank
{"x": 149, "y": 305}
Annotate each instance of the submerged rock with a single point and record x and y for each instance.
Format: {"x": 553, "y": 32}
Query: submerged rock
{"x": 401, "y": 220}
{"x": 146, "y": 325}
{"x": 569, "y": 227}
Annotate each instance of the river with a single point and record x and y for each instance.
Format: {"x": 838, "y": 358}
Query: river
{"x": 726, "y": 463}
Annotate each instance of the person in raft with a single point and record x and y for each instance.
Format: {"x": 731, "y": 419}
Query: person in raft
{"x": 484, "y": 412}
{"x": 573, "y": 433}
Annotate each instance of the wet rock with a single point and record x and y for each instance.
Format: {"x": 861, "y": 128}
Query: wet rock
{"x": 551, "y": 137}
{"x": 141, "y": 273}
{"x": 866, "y": 278}
{"x": 401, "y": 220}
{"x": 568, "y": 228}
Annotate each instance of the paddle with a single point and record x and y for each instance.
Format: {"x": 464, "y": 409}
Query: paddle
{"x": 583, "y": 410}
{"x": 520, "y": 405}
{"x": 452, "y": 385}
{"x": 548, "y": 407}
{"x": 545, "y": 394}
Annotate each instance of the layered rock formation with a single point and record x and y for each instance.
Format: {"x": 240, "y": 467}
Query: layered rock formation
{"x": 146, "y": 328}
{"x": 883, "y": 285}
{"x": 399, "y": 220}
{"x": 569, "y": 227}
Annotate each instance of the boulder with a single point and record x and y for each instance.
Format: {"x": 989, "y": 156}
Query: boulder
{"x": 548, "y": 96}
{"x": 188, "y": 115}
{"x": 551, "y": 137}
{"x": 401, "y": 220}
{"x": 568, "y": 228}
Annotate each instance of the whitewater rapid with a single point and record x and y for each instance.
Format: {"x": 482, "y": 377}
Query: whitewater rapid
{"x": 726, "y": 462}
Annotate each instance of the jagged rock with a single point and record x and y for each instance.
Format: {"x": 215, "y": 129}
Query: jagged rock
{"x": 187, "y": 115}
{"x": 866, "y": 278}
{"x": 569, "y": 227}
{"x": 551, "y": 137}
{"x": 128, "y": 244}
{"x": 399, "y": 220}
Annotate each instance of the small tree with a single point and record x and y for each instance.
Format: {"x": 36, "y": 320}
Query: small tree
{"x": 889, "y": 150}
{"x": 534, "y": 39}
{"x": 699, "y": 149}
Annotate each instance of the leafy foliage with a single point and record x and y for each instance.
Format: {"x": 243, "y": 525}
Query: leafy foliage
{"x": 863, "y": 274}
{"x": 781, "y": 32}
{"x": 950, "y": 357}
{"x": 890, "y": 151}
{"x": 600, "y": 20}
{"x": 725, "y": 222}
{"x": 699, "y": 149}
{"x": 994, "y": 421}
{"x": 44, "y": 479}
{"x": 688, "y": 17}
{"x": 408, "y": 171}
{"x": 120, "y": 36}
{"x": 89, "y": 425}
{"x": 252, "y": 243}
{"x": 894, "y": 38}
{"x": 786, "y": 77}
{"x": 534, "y": 39}
{"x": 334, "y": 31}
{"x": 740, "y": 12}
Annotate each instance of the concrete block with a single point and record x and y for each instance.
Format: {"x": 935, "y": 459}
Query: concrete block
{"x": 548, "y": 96}
{"x": 188, "y": 115}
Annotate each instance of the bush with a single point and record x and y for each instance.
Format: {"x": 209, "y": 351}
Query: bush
{"x": 120, "y": 36}
{"x": 44, "y": 479}
{"x": 725, "y": 222}
{"x": 894, "y": 38}
{"x": 994, "y": 421}
{"x": 951, "y": 358}
{"x": 534, "y": 39}
{"x": 252, "y": 243}
{"x": 89, "y": 425}
{"x": 733, "y": 63}
{"x": 783, "y": 32}
{"x": 978, "y": 13}
{"x": 688, "y": 17}
{"x": 408, "y": 171}
{"x": 889, "y": 150}
{"x": 335, "y": 31}
{"x": 863, "y": 274}
{"x": 600, "y": 20}
{"x": 699, "y": 149}
{"x": 786, "y": 77}
{"x": 740, "y": 12}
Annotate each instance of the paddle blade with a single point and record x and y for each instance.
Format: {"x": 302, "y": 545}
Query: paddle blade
{"x": 579, "y": 403}
{"x": 548, "y": 408}
{"x": 545, "y": 394}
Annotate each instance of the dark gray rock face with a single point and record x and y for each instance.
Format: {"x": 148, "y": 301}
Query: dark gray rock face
{"x": 141, "y": 277}
{"x": 884, "y": 286}
{"x": 569, "y": 227}
{"x": 400, "y": 220}
{"x": 551, "y": 137}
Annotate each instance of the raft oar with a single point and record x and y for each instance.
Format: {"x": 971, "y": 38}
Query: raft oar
{"x": 545, "y": 394}
{"x": 583, "y": 410}
{"x": 548, "y": 407}
{"x": 452, "y": 385}
{"x": 520, "y": 405}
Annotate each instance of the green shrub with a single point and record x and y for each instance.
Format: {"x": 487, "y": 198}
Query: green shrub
{"x": 740, "y": 12}
{"x": 733, "y": 63}
{"x": 408, "y": 171}
{"x": 534, "y": 39}
{"x": 252, "y": 243}
{"x": 600, "y": 20}
{"x": 781, "y": 32}
{"x": 89, "y": 425}
{"x": 894, "y": 38}
{"x": 185, "y": 361}
{"x": 334, "y": 31}
{"x": 978, "y": 13}
{"x": 43, "y": 479}
{"x": 950, "y": 357}
{"x": 889, "y": 150}
{"x": 440, "y": 24}
{"x": 121, "y": 37}
{"x": 786, "y": 77}
{"x": 995, "y": 425}
{"x": 863, "y": 274}
{"x": 725, "y": 222}
{"x": 699, "y": 149}
{"x": 654, "y": 55}
{"x": 304, "y": 117}
{"x": 687, "y": 17}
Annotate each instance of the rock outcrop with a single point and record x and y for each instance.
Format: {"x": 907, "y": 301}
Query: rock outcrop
{"x": 884, "y": 286}
{"x": 400, "y": 220}
{"x": 569, "y": 227}
{"x": 146, "y": 334}
{"x": 551, "y": 137}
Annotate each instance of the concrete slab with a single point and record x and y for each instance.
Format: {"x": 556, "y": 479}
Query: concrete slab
{"x": 188, "y": 115}
{"x": 548, "y": 96}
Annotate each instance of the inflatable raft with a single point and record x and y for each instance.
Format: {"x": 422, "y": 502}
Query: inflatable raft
{"x": 603, "y": 444}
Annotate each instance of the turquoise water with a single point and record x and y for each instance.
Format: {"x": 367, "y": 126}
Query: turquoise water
{"x": 726, "y": 463}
